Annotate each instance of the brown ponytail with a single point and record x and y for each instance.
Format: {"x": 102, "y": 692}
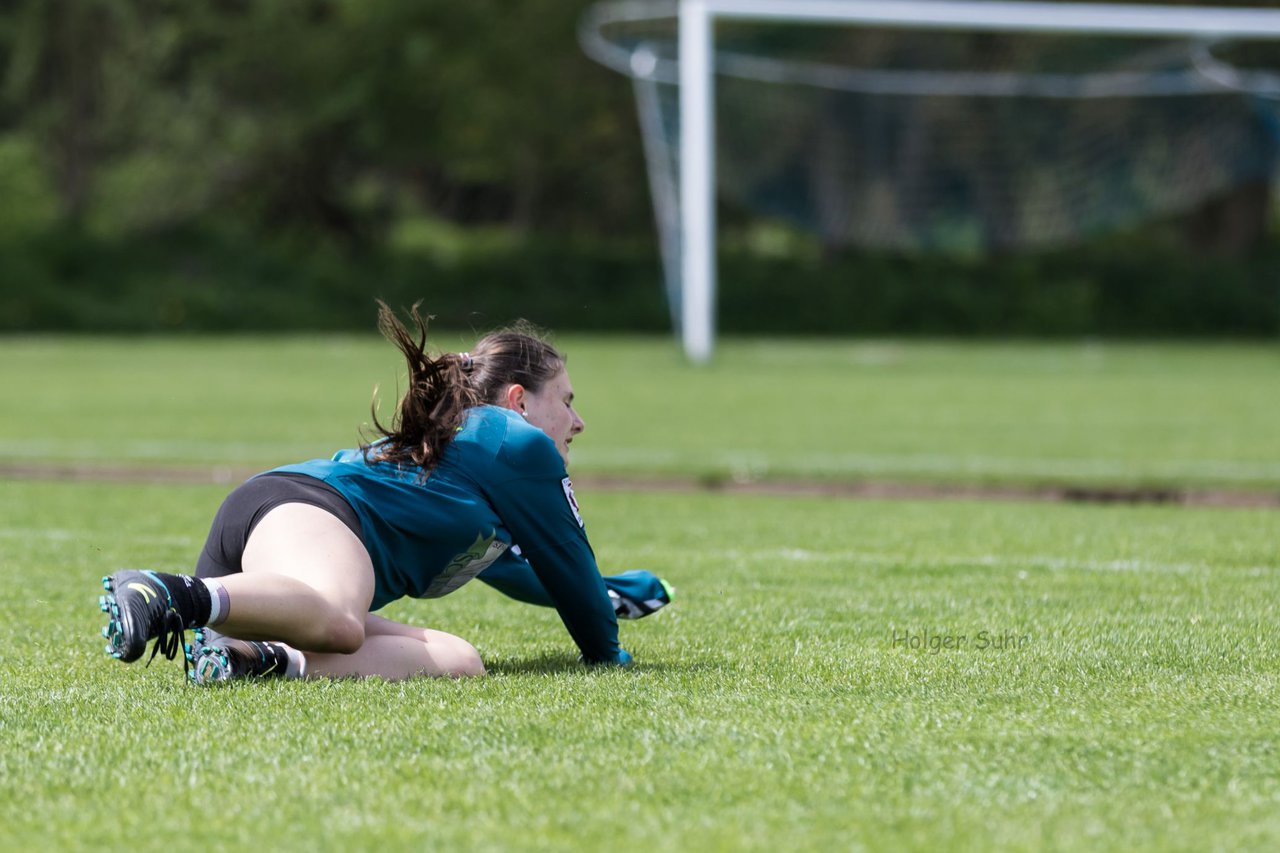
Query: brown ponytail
{"x": 433, "y": 405}
{"x": 442, "y": 388}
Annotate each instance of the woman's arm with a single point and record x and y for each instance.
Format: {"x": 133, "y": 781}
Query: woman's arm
{"x": 634, "y": 594}
{"x": 537, "y": 512}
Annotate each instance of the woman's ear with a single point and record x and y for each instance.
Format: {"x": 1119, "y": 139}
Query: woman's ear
{"x": 514, "y": 398}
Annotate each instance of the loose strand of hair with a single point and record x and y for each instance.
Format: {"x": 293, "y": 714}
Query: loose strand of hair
{"x": 433, "y": 405}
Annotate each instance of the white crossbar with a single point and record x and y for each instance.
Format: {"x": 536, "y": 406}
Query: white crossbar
{"x": 1022, "y": 17}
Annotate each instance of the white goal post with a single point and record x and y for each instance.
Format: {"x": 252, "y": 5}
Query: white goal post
{"x": 697, "y": 20}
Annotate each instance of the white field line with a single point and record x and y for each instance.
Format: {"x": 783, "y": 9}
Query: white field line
{"x": 751, "y": 463}
{"x": 882, "y": 559}
{"x": 66, "y": 534}
{"x": 1022, "y": 562}
{"x": 124, "y": 452}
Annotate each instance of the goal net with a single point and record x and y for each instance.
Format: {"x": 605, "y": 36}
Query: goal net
{"x": 937, "y": 126}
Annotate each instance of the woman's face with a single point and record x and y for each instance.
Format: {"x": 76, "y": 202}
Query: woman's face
{"x": 551, "y": 410}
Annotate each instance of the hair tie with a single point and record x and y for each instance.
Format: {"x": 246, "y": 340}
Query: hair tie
{"x": 465, "y": 358}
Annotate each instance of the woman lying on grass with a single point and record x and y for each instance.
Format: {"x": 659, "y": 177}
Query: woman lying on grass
{"x": 469, "y": 481}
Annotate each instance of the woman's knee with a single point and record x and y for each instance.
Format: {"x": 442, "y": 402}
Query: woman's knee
{"x": 339, "y": 633}
{"x": 458, "y": 658}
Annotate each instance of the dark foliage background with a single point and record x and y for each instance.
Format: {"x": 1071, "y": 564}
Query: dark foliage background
{"x": 232, "y": 165}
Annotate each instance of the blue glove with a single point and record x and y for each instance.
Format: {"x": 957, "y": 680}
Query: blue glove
{"x": 638, "y": 593}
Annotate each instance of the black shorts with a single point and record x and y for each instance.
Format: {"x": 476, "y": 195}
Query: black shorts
{"x": 250, "y": 502}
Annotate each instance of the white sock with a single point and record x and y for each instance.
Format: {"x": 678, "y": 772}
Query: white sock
{"x": 220, "y": 602}
{"x": 297, "y": 667}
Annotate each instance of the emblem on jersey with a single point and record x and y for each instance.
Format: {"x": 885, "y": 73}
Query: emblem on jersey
{"x": 573, "y": 502}
{"x": 471, "y": 562}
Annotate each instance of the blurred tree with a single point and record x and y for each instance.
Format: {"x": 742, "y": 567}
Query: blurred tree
{"x": 478, "y": 112}
{"x": 321, "y": 114}
{"x": 340, "y": 118}
{"x": 58, "y": 88}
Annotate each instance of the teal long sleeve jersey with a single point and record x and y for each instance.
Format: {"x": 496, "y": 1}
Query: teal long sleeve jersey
{"x": 500, "y": 495}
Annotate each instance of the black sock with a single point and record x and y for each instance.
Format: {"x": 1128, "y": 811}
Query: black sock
{"x": 189, "y": 596}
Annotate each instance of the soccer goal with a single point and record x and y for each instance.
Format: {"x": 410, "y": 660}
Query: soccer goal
{"x": 935, "y": 124}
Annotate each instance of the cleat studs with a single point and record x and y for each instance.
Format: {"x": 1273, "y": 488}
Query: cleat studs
{"x": 106, "y": 631}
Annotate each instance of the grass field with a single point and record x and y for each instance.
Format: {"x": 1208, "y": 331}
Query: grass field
{"x": 835, "y": 674}
{"x": 1120, "y": 415}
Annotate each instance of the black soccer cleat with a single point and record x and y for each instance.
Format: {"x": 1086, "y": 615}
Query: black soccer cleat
{"x": 211, "y": 658}
{"x": 139, "y": 608}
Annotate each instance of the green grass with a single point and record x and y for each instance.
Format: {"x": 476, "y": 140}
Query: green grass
{"x": 1131, "y": 705}
{"x": 1123, "y": 415}
{"x": 770, "y": 707}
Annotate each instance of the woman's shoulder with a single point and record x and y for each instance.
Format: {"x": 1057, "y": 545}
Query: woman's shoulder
{"x": 485, "y": 419}
{"x": 357, "y": 463}
{"x": 503, "y": 439}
